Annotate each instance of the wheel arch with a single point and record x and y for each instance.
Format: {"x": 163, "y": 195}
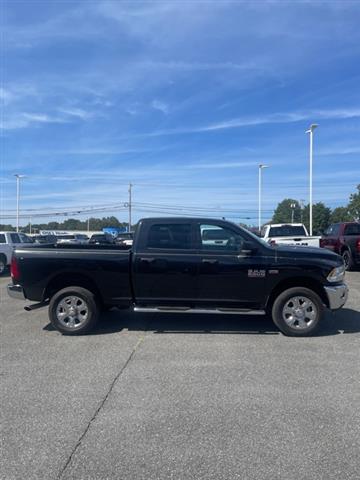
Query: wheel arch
{"x": 305, "y": 282}
{"x": 71, "y": 279}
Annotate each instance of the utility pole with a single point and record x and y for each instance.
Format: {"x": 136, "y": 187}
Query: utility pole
{"x": 88, "y": 224}
{"x": 261, "y": 166}
{"x": 311, "y": 132}
{"x": 302, "y": 201}
{"x": 292, "y": 206}
{"x": 18, "y": 177}
{"x": 130, "y": 187}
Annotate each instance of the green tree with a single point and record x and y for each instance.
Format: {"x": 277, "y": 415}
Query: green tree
{"x": 354, "y": 204}
{"x": 283, "y": 212}
{"x": 340, "y": 214}
{"x": 73, "y": 224}
{"x": 321, "y": 217}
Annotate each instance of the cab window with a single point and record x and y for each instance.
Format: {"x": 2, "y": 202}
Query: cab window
{"x": 170, "y": 236}
{"x": 215, "y": 237}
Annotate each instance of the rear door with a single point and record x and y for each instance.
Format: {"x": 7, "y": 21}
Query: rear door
{"x": 165, "y": 264}
{"x": 228, "y": 275}
{"x": 352, "y": 237}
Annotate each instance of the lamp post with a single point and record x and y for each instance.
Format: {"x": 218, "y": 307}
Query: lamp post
{"x": 18, "y": 177}
{"x": 261, "y": 166}
{"x": 311, "y": 132}
{"x": 292, "y": 206}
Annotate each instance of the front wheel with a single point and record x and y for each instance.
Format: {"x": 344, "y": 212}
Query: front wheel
{"x": 73, "y": 311}
{"x": 348, "y": 261}
{"x": 298, "y": 312}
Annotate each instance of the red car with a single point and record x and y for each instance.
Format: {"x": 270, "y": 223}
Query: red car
{"x": 344, "y": 239}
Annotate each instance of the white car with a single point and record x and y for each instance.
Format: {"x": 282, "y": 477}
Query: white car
{"x": 73, "y": 239}
{"x": 9, "y": 241}
{"x": 289, "y": 234}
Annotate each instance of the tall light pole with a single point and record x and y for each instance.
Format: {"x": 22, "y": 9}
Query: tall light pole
{"x": 311, "y": 132}
{"x": 130, "y": 206}
{"x": 261, "y": 166}
{"x": 18, "y": 177}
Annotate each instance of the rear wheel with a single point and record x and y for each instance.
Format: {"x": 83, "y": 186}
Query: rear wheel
{"x": 348, "y": 260}
{"x": 297, "y": 312}
{"x": 2, "y": 264}
{"x": 73, "y": 311}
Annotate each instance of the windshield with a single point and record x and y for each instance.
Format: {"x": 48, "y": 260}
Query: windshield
{"x": 287, "y": 231}
{"x": 65, "y": 237}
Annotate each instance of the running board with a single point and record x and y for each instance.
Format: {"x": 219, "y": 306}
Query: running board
{"x": 35, "y": 306}
{"x": 233, "y": 311}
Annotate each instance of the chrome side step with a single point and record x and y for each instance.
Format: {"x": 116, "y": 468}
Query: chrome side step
{"x": 232, "y": 311}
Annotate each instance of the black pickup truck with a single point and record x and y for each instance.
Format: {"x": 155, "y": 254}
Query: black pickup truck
{"x": 181, "y": 265}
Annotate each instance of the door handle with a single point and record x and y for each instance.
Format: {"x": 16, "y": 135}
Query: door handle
{"x": 210, "y": 261}
{"x": 147, "y": 260}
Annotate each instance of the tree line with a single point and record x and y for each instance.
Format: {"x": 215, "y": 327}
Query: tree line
{"x": 323, "y": 216}
{"x": 72, "y": 224}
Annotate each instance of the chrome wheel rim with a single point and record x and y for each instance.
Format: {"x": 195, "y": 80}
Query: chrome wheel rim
{"x": 299, "y": 312}
{"x": 2, "y": 266}
{"x": 346, "y": 259}
{"x": 72, "y": 311}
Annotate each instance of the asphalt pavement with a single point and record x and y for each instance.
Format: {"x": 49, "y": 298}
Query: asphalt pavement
{"x": 159, "y": 396}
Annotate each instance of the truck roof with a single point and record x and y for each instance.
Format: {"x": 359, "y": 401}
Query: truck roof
{"x": 284, "y": 224}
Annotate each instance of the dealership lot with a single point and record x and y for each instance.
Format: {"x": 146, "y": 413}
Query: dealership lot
{"x": 179, "y": 396}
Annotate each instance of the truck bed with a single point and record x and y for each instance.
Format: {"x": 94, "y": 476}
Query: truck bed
{"x": 106, "y": 266}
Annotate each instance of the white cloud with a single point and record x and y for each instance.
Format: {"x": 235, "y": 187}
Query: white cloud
{"x": 23, "y": 120}
{"x": 221, "y": 165}
{"x": 77, "y": 112}
{"x": 161, "y": 106}
{"x": 290, "y": 117}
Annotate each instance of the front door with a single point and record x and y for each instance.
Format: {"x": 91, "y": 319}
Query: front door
{"x": 229, "y": 276}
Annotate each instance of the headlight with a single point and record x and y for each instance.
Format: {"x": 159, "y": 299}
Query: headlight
{"x": 337, "y": 274}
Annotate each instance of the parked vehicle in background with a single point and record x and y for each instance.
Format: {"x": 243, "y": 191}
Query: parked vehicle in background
{"x": 173, "y": 268}
{"x": 75, "y": 239}
{"x": 102, "y": 239}
{"x": 8, "y": 241}
{"x": 51, "y": 239}
{"x": 125, "y": 239}
{"x": 289, "y": 234}
{"x": 344, "y": 239}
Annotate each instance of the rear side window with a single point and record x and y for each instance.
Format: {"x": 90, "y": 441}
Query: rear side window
{"x": 353, "y": 229}
{"x": 2, "y": 238}
{"x": 14, "y": 238}
{"x": 172, "y": 236}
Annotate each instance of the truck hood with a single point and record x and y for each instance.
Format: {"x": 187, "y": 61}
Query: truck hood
{"x": 298, "y": 252}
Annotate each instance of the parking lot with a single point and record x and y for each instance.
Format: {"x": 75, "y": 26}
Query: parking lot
{"x": 180, "y": 396}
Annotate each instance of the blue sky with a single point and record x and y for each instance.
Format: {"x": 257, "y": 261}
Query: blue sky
{"x": 183, "y": 99}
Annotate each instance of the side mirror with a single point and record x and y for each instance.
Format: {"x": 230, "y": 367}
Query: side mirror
{"x": 248, "y": 248}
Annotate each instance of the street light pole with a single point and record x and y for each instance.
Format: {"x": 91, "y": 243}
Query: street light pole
{"x": 311, "y": 132}
{"x": 18, "y": 177}
{"x": 261, "y": 166}
{"x": 130, "y": 192}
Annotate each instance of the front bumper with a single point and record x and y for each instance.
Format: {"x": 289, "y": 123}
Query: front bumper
{"x": 16, "y": 291}
{"x": 337, "y": 295}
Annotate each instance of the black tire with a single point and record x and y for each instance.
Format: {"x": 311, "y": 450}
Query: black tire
{"x": 348, "y": 260}
{"x": 73, "y": 311}
{"x": 2, "y": 264}
{"x": 306, "y": 320}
